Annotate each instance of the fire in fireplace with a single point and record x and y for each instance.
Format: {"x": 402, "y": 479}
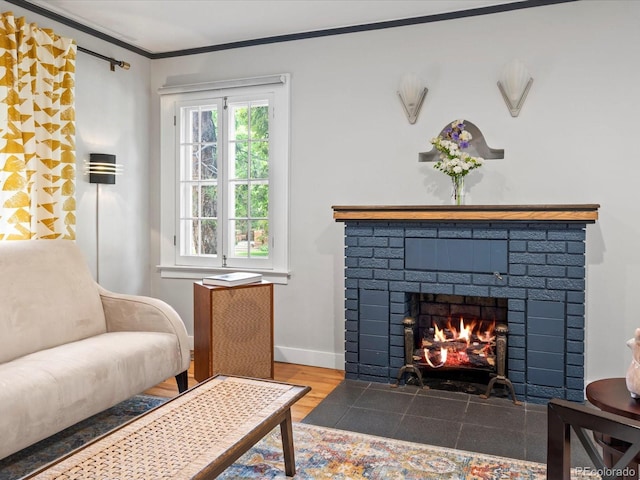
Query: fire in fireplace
{"x": 462, "y": 344}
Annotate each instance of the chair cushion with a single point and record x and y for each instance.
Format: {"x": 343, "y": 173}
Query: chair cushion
{"x": 47, "y": 391}
{"x": 47, "y": 297}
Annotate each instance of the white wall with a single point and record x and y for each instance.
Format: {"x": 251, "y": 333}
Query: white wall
{"x": 112, "y": 116}
{"x": 574, "y": 142}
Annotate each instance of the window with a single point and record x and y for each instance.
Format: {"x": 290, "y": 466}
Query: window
{"x": 225, "y": 177}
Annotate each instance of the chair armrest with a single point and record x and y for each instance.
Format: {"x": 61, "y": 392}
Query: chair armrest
{"x": 136, "y": 313}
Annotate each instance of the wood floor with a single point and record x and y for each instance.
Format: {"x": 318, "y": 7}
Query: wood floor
{"x": 321, "y": 380}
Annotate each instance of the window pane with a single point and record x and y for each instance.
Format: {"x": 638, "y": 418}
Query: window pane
{"x": 189, "y": 163}
{"x": 209, "y": 200}
{"x": 195, "y": 201}
{"x": 194, "y": 163}
{"x": 259, "y": 200}
{"x": 241, "y": 197}
{"x": 241, "y": 246}
{"x": 239, "y": 124}
{"x": 209, "y": 162}
{"x": 209, "y": 237}
{"x": 251, "y": 239}
{"x": 189, "y": 236}
{"x": 208, "y": 125}
{"x": 194, "y": 125}
{"x": 259, "y": 122}
{"x": 241, "y": 162}
{"x": 186, "y": 200}
{"x": 260, "y": 244}
{"x": 259, "y": 159}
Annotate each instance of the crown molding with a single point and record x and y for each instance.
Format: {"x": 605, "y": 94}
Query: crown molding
{"x": 290, "y": 37}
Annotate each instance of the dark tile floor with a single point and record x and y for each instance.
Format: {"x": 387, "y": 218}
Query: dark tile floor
{"x": 444, "y": 418}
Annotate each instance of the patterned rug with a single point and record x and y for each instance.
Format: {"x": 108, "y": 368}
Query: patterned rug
{"x": 324, "y": 453}
{"x": 321, "y": 453}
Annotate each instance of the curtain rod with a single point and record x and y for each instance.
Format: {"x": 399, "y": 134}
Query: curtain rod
{"x": 112, "y": 61}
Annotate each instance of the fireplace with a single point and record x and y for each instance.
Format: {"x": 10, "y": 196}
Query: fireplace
{"x": 530, "y": 257}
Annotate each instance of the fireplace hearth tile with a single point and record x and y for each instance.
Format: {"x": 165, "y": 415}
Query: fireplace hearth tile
{"x": 385, "y": 401}
{"x": 431, "y": 431}
{"x": 492, "y": 440}
{"x": 495, "y": 416}
{"x": 327, "y": 413}
{"x": 439, "y": 408}
{"x": 364, "y": 420}
{"x": 347, "y": 392}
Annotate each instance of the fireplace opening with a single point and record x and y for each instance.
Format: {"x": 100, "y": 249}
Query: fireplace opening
{"x": 456, "y": 342}
{"x": 456, "y": 331}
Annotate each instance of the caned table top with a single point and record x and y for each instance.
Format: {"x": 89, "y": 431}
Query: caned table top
{"x": 185, "y": 436}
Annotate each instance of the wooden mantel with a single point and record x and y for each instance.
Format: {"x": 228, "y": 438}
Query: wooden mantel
{"x": 583, "y": 213}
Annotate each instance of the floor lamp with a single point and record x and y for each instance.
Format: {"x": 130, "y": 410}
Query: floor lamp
{"x": 102, "y": 169}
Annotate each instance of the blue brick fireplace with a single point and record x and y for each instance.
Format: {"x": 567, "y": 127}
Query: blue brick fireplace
{"x": 534, "y": 260}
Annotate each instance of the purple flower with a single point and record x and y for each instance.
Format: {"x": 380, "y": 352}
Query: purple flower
{"x": 464, "y": 144}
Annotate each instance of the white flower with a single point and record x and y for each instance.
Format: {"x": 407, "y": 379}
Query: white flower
{"x": 466, "y": 136}
{"x": 457, "y": 169}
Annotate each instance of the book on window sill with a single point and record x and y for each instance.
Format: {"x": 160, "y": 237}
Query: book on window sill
{"x": 232, "y": 279}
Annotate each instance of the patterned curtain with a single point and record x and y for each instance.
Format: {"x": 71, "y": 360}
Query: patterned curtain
{"x": 37, "y": 132}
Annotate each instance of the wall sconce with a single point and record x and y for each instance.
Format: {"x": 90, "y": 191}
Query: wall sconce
{"x": 514, "y": 85}
{"x": 411, "y": 92}
{"x": 102, "y": 168}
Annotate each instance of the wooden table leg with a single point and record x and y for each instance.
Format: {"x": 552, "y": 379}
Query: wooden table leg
{"x": 286, "y": 431}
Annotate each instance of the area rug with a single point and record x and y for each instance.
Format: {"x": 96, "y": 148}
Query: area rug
{"x": 325, "y": 453}
{"x": 19, "y": 464}
{"x": 320, "y": 453}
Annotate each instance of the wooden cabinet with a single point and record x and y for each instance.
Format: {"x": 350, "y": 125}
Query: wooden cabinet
{"x": 233, "y": 330}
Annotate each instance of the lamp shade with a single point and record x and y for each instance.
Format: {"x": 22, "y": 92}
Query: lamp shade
{"x": 411, "y": 92}
{"x": 102, "y": 168}
{"x": 514, "y": 79}
{"x": 514, "y": 84}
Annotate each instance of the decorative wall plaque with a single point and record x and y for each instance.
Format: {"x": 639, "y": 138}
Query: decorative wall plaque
{"x": 477, "y": 146}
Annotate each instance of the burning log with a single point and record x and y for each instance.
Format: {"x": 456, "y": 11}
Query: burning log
{"x": 466, "y": 347}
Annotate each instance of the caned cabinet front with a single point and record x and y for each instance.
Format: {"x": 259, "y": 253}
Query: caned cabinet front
{"x": 233, "y": 330}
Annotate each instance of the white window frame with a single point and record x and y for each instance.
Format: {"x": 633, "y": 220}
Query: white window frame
{"x": 172, "y": 263}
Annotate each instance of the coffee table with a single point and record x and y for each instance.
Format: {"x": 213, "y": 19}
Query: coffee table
{"x": 195, "y": 435}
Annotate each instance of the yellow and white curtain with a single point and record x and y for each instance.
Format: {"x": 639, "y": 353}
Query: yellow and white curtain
{"x": 37, "y": 132}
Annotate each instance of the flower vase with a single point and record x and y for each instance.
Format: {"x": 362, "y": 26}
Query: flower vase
{"x": 457, "y": 194}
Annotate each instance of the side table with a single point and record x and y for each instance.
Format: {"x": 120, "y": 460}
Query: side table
{"x": 233, "y": 330}
{"x": 611, "y": 395}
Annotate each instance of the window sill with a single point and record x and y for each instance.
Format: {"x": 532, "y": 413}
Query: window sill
{"x": 197, "y": 273}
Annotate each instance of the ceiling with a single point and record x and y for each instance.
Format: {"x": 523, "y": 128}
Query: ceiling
{"x": 161, "y": 26}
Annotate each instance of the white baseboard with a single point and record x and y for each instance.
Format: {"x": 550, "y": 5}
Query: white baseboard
{"x": 313, "y": 358}
{"x": 299, "y": 356}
